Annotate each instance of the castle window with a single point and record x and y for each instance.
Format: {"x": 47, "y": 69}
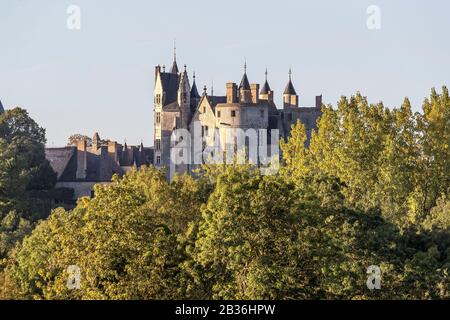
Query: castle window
{"x": 218, "y": 114}
{"x": 204, "y": 131}
{"x": 158, "y": 160}
{"x": 204, "y": 109}
{"x": 158, "y": 117}
{"x": 184, "y": 98}
{"x": 158, "y": 98}
{"x": 233, "y": 113}
{"x": 158, "y": 144}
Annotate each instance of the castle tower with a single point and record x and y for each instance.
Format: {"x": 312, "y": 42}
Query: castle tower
{"x": 290, "y": 97}
{"x": 245, "y": 92}
{"x": 184, "y": 98}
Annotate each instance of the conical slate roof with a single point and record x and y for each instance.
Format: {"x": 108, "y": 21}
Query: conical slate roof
{"x": 194, "y": 91}
{"x": 244, "y": 82}
{"x": 290, "y": 88}
{"x": 174, "y": 67}
{"x": 266, "y": 88}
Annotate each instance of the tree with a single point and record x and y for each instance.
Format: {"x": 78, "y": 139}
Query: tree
{"x": 124, "y": 241}
{"x": 23, "y": 171}
{"x": 75, "y": 138}
{"x": 19, "y": 131}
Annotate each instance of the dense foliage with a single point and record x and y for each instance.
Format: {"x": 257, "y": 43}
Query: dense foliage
{"x": 372, "y": 189}
{"x": 25, "y": 177}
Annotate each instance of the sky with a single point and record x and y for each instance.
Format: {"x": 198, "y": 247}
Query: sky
{"x": 100, "y": 78}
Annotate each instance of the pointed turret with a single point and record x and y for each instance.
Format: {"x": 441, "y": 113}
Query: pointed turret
{"x": 184, "y": 97}
{"x": 245, "y": 94}
{"x": 266, "y": 93}
{"x": 1, "y": 108}
{"x": 290, "y": 97}
{"x": 245, "y": 84}
{"x": 194, "y": 91}
{"x": 290, "y": 87}
{"x": 195, "y": 97}
{"x": 266, "y": 88}
{"x": 174, "y": 65}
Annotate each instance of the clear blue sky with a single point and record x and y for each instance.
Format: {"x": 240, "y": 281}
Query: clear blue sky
{"x": 100, "y": 78}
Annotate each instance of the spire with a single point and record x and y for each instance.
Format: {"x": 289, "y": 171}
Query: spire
{"x": 205, "y": 91}
{"x": 266, "y": 88}
{"x": 290, "y": 87}
{"x": 194, "y": 91}
{"x": 1, "y": 108}
{"x": 174, "y": 65}
{"x": 244, "y": 82}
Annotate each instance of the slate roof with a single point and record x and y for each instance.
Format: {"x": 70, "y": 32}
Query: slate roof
{"x": 100, "y": 166}
{"x": 266, "y": 88}
{"x": 290, "y": 88}
{"x": 170, "y": 86}
{"x": 174, "y": 67}
{"x": 59, "y": 158}
{"x": 194, "y": 91}
{"x": 244, "y": 82}
{"x": 215, "y": 100}
{"x": 1, "y": 108}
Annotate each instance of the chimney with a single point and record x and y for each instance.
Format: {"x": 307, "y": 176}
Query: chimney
{"x": 81, "y": 159}
{"x": 255, "y": 93}
{"x": 231, "y": 92}
{"x": 319, "y": 101}
{"x": 112, "y": 150}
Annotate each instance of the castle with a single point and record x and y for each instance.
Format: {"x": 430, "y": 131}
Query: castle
{"x": 178, "y": 105}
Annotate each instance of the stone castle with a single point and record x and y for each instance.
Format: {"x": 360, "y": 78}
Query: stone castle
{"x": 178, "y": 105}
